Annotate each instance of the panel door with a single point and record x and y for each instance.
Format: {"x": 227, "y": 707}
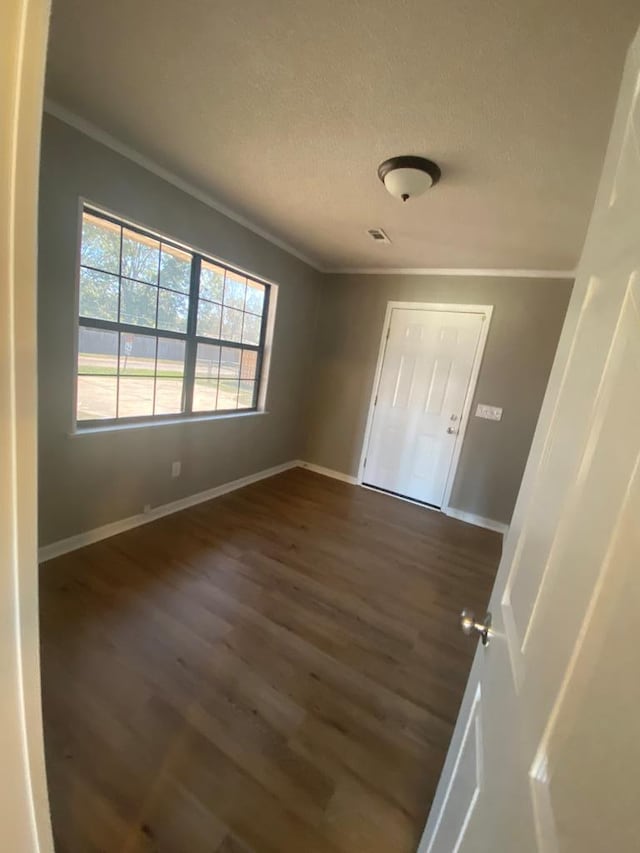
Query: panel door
{"x": 546, "y": 753}
{"x": 427, "y": 365}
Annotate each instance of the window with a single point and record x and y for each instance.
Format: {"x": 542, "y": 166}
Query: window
{"x": 164, "y": 332}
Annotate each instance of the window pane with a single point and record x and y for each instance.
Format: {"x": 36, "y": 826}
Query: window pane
{"x": 169, "y": 377}
{"x": 211, "y": 282}
{"x": 98, "y": 295}
{"x": 230, "y": 362}
{"x": 228, "y": 394}
{"x": 234, "y": 290}
{"x": 229, "y": 375}
{"x": 245, "y": 395}
{"x": 97, "y": 368}
{"x": 249, "y": 364}
{"x": 97, "y": 352}
{"x": 255, "y": 297}
{"x": 251, "y": 329}
{"x": 205, "y": 395}
{"x": 137, "y": 355}
{"x": 135, "y": 396}
{"x": 207, "y": 361}
{"x": 96, "y": 397}
{"x": 138, "y": 304}
{"x": 209, "y": 317}
{"x": 170, "y": 358}
{"x": 175, "y": 269}
{"x": 100, "y": 243}
{"x": 205, "y": 389}
{"x": 231, "y": 324}
{"x": 173, "y": 311}
{"x": 168, "y": 397}
{"x": 140, "y": 256}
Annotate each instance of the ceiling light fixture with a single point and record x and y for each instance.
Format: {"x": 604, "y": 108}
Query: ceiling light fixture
{"x": 408, "y": 176}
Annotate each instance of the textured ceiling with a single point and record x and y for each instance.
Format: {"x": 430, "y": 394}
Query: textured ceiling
{"x": 282, "y": 110}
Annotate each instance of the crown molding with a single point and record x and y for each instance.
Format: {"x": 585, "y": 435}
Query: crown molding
{"x": 55, "y": 109}
{"x": 91, "y": 130}
{"x": 472, "y": 271}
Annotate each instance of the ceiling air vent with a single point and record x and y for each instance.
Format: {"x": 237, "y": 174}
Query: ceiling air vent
{"x": 378, "y": 235}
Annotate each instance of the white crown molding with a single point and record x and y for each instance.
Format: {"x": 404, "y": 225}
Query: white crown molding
{"x": 473, "y": 271}
{"x": 53, "y": 108}
{"x": 91, "y": 130}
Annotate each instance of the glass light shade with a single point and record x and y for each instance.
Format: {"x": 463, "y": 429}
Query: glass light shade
{"x": 406, "y": 183}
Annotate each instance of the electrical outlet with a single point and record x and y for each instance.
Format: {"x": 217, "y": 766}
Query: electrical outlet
{"x": 176, "y": 467}
{"x": 490, "y": 413}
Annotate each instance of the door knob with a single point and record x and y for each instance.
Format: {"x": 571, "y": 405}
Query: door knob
{"x": 469, "y": 625}
{"x": 452, "y": 430}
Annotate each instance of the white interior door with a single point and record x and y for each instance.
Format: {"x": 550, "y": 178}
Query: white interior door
{"x": 25, "y": 825}
{"x": 546, "y": 753}
{"x": 426, "y": 371}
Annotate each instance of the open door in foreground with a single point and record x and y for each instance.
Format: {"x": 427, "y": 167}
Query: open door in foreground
{"x": 24, "y": 812}
{"x": 546, "y": 753}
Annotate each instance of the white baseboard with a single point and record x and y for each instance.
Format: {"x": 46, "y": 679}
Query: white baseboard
{"x": 478, "y": 520}
{"x": 327, "y": 472}
{"x": 469, "y": 517}
{"x": 55, "y": 549}
{"x": 63, "y": 546}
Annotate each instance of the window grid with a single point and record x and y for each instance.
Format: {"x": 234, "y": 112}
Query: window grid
{"x": 226, "y": 387}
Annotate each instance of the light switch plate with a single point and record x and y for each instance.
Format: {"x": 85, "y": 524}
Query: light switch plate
{"x": 491, "y": 413}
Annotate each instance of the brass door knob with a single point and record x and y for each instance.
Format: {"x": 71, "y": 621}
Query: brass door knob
{"x": 469, "y": 625}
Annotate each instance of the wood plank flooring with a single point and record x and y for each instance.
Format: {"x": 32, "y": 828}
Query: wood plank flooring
{"x": 275, "y": 671}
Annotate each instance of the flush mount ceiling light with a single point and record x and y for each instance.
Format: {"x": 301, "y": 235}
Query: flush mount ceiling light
{"x": 406, "y": 177}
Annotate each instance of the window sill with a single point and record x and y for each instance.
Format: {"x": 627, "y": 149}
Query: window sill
{"x": 94, "y": 430}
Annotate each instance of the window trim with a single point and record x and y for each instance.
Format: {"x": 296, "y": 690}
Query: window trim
{"x": 191, "y": 340}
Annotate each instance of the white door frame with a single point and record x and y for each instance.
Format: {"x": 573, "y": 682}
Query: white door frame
{"x": 486, "y": 311}
{"x": 25, "y": 826}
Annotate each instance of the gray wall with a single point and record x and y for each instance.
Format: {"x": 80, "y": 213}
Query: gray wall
{"x": 92, "y": 479}
{"x": 526, "y": 323}
{"x": 320, "y": 384}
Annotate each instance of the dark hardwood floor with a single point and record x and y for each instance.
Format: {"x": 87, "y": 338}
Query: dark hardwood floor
{"x": 276, "y": 670}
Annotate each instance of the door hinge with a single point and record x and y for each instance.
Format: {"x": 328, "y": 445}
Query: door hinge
{"x": 364, "y": 464}
{"x": 388, "y": 333}
{"x": 375, "y": 402}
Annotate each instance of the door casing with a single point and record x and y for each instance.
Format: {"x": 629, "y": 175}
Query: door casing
{"x": 486, "y": 311}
